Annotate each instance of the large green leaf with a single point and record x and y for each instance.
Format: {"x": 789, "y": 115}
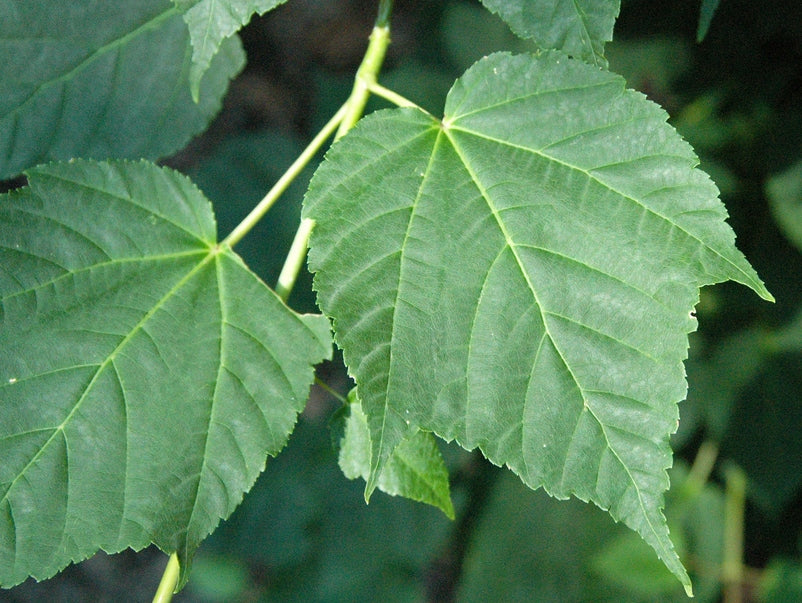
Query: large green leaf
{"x": 100, "y": 80}
{"x": 146, "y": 373}
{"x": 521, "y": 277}
{"x": 212, "y": 21}
{"x": 577, "y": 27}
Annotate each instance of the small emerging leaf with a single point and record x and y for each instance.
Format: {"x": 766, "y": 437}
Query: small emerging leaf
{"x": 212, "y": 21}
{"x": 521, "y": 277}
{"x": 100, "y": 80}
{"x": 576, "y": 27}
{"x": 146, "y": 373}
{"x": 415, "y": 470}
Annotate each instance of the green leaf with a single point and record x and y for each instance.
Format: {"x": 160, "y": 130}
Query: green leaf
{"x": 521, "y": 276}
{"x": 415, "y": 470}
{"x": 100, "y": 80}
{"x": 577, "y": 27}
{"x": 146, "y": 372}
{"x": 212, "y": 21}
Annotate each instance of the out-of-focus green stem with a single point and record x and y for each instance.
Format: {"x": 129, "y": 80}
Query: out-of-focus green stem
{"x": 732, "y": 565}
{"x": 700, "y": 470}
{"x": 385, "y": 8}
{"x": 164, "y": 594}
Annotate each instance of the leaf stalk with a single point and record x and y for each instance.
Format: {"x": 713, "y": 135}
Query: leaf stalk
{"x": 353, "y": 109}
{"x": 286, "y": 179}
{"x": 164, "y": 594}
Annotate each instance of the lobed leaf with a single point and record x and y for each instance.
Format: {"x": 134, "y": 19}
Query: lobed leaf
{"x": 100, "y": 80}
{"x": 146, "y": 372}
{"x": 212, "y": 21}
{"x": 521, "y": 277}
{"x": 415, "y": 470}
{"x": 579, "y": 28}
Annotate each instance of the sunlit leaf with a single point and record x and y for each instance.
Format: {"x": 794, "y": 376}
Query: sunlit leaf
{"x": 521, "y": 276}
{"x": 577, "y": 27}
{"x": 212, "y": 21}
{"x": 146, "y": 373}
{"x": 100, "y": 80}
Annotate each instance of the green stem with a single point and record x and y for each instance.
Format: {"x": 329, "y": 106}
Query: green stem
{"x": 164, "y": 594}
{"x": 732, "y": 564}
{"x": 327, "y": 388}
{"x": 700, "y": 470}
{"x": 295, "y": 259}
{"x": 392, "y": 96}
{"x": 385, "y": 8}
{"x": 286, "y": 179}
{"x": 354, "y": 107}
{"x": 367, "y": 73}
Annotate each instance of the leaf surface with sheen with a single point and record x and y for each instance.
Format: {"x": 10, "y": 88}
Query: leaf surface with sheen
{"x": 521, "y": 276}
{"x": 100, "y": 80}
{"x": 146, "y": 373}
{"x": 579, "y": 28}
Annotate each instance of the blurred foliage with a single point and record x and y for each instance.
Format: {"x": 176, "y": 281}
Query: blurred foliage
{"x": 305, "y": 534}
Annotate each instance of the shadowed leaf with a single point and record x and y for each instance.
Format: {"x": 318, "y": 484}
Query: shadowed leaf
{"x": 146, "y": 373}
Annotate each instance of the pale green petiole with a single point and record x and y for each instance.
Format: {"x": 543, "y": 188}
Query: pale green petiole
{"x": 392, "y": 96}
{"x": 364, "y": 84}
{"x": 286, "y": 179}
{"x": 164, "y": 594}
{"x": 365, "y": 77}
{"x": 295, "y": 259}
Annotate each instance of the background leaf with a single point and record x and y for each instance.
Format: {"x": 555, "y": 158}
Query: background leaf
{"x": 415, "y": 470}
{"x": 577, "y": 27}
{"x": 100, "y": 80}
{"x": 521, "y": 277}
{"x": 146, "y": 371}
{"x": 304, "y": 524}
{"x": 212, "y": 21}
{"x": 785, "y": 194}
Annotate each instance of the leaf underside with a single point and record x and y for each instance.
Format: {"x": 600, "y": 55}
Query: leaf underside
{"x": 146, "y": 373}
{"x": 110, "y": 80}
{"x": 210, "y": 22}
{"x": 578, "y": 28}
{"x": 521, "y": 277}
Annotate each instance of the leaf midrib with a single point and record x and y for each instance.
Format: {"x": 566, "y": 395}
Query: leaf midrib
{"x": 376, "y": 468}
{"x": 611, "y": 188}
{"x": 511, "y": 244}
{"x": 106, "y": 362}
